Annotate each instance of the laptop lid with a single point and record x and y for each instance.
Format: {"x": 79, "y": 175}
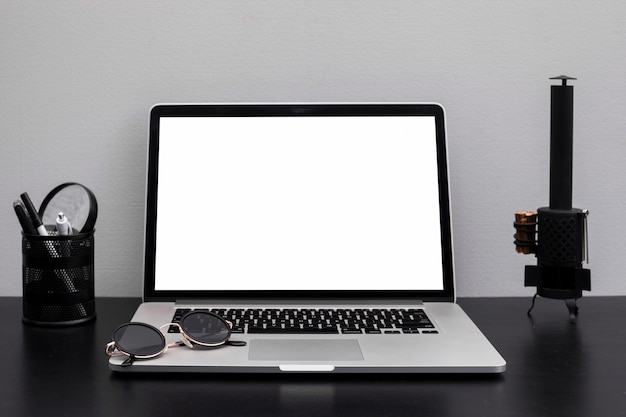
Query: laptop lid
{"x": 288, "y": 201}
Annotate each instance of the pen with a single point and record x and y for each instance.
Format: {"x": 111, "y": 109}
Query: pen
{"x": 34, "y": 216}
{"x": 27, "y": 225}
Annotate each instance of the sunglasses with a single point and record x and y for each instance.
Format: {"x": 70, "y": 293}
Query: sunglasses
{"x": 198, "y": 329}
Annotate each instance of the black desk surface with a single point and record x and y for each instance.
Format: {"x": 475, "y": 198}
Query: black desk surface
{"x": 554, "y": 368}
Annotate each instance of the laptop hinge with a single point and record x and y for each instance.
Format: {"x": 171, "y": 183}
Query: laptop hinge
{"x": 276, "y": 302}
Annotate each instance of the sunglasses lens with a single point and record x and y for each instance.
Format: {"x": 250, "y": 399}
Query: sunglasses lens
{"x": 205, "y": 328}
{"x": 139, "y": 339}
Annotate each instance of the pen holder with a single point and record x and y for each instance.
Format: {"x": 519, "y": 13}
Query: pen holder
{"x": 58, "y": 281}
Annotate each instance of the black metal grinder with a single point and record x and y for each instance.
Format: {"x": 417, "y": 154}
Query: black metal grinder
{"x": 557, "y": 234}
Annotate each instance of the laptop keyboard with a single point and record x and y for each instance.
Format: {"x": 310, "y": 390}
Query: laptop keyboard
{"x": 321, "y": 321}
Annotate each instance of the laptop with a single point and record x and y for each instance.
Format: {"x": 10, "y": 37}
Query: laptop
{"x": 322, "y": 232}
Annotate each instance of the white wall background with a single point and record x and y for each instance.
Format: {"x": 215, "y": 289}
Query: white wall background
{"x": 77, "y": 80}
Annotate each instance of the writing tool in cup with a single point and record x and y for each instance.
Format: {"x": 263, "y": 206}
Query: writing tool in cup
{"x": 22, "y": 216}
{"x": 34, "y": 216}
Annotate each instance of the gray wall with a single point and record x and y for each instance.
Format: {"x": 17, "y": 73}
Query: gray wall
{"x": 77, "y": 80}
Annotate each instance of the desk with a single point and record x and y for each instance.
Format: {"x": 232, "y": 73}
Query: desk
{"x": 554, "y": 369}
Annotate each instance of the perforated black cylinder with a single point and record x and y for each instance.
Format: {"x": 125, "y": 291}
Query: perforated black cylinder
{"x": 560, "y": 237}
{"x": 58, "y": 278}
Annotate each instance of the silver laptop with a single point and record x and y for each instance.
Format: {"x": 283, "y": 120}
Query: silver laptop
{"x": 320, "y": 231}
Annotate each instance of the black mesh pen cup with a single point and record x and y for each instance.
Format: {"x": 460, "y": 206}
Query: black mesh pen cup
{"x": 58, "y": 278}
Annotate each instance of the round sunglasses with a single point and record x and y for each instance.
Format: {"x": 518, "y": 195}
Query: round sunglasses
{"x": 198, "y": 329}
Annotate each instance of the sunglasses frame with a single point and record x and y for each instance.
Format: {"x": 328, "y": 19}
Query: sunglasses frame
{"x": 112, "y": 347}
{"x": 190, "y": 341}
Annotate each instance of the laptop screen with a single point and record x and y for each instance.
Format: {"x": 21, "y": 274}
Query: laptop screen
{"x": 303, "y": 199}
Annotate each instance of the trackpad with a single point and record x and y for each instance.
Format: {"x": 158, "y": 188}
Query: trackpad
{"x": 305, "y": 350}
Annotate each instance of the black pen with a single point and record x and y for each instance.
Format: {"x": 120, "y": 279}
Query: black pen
{"x": 27, "y": 225}
{"x": 34, "y": 216}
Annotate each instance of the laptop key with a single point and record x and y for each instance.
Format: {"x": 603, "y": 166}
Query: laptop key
{"x": 372, "y": 330}
{"x": 409, "y": 330}
{"x": 418, "y": 324}
{"x": 351, "y": 330}
{"x": 291, "y": 330}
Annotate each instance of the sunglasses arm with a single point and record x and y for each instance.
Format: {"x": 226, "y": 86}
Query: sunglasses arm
{"x": 110, "y": 349}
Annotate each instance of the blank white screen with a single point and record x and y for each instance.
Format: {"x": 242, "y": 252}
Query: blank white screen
{"x": 298, "y": 203}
